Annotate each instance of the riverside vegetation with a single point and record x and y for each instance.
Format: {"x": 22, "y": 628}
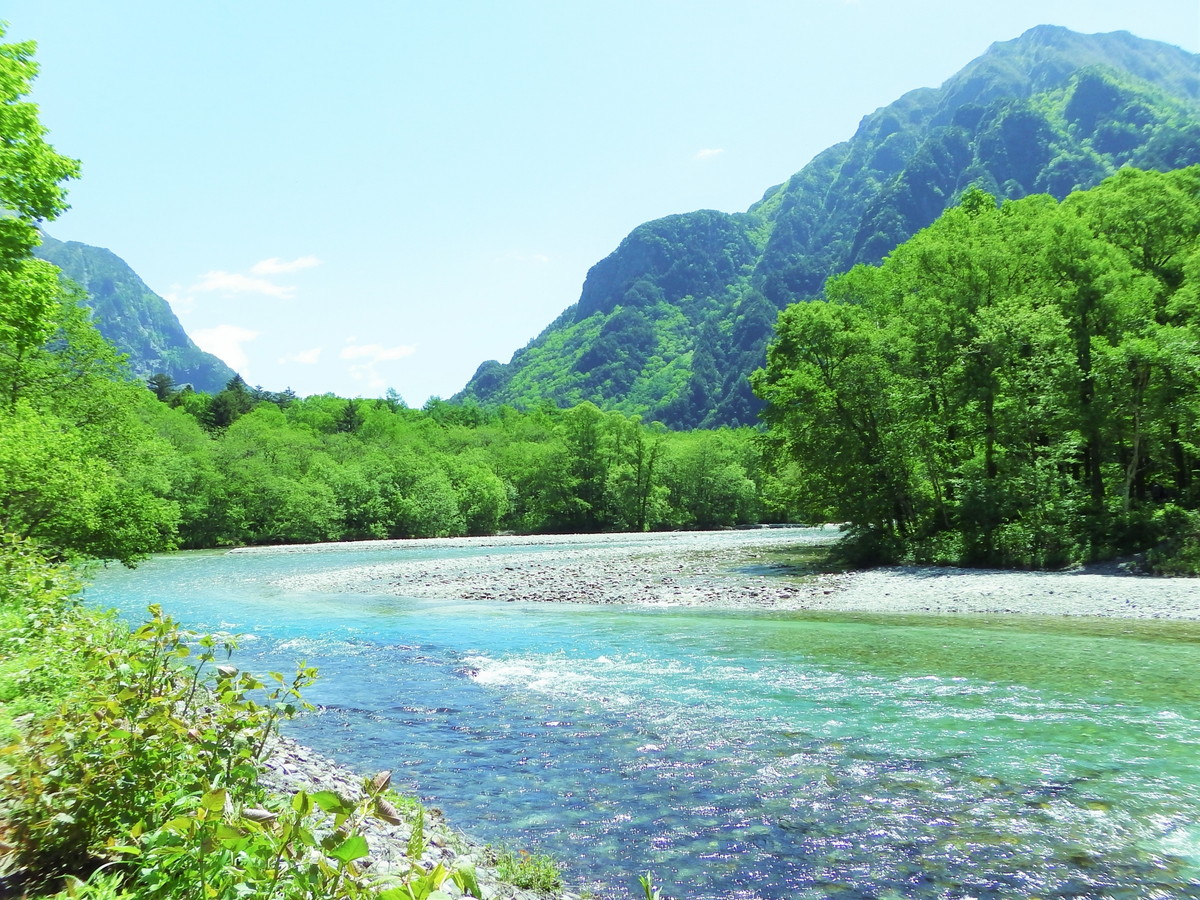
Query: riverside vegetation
{"x": 135, "y": 763}
{"x": 1016, "y": 385}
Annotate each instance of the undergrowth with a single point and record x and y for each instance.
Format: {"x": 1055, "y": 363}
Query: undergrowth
{"x": 1179, "y": 552}
{"x": 132, "y": 760}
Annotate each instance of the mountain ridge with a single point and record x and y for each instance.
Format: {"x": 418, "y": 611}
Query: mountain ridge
{"x": 672, "y": 322}
{"x": 132, "y": 317}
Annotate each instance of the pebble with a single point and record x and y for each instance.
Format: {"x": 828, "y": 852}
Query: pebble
{"x": 292, "y": 767}
{"x": 706, "y": 569}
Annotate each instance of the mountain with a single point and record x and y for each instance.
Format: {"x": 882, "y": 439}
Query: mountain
{"x": 672, "y": 322}
{"x": 131, "y": 316}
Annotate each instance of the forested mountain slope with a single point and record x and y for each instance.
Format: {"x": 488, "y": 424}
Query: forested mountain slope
{"x": 132, "y": 317}
{"x": 671, "y": 324}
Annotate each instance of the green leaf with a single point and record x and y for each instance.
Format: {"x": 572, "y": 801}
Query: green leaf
{"x": 214, "y": 800}
{"x": 354, "y": 847}
{"x": 467, "y": 881}
{"x": 180, "y": 825}
{"x": 302, "y": 803}
{"x": 332, "y": 803}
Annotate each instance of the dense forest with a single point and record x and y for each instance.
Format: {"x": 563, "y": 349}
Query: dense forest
{"x": 248, "y": 466}
{"x": 97, "y": 464}
{"x": 1018, "y": 384}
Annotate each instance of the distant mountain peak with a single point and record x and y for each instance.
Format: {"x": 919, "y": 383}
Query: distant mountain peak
{"x": 139, "y": 322}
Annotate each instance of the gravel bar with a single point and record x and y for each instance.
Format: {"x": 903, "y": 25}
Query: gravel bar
{"x": 736, "y": 569}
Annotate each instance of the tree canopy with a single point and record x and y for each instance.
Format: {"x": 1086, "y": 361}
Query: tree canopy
{"x": 1016, "y": 384}
{"x": 78, "y": 468}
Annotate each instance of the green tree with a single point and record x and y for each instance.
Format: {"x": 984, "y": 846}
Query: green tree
{"x": 57, "y": 489}
{"x": 163, "y": 386}
{"x": 230, "y": 404}
{"x": 708, "y": 482}
{"x": 196, "y": 485}
{"x": 1006, "y": 387}
{"x": 482, "y": 495}
{"x": 827, "y": 393}
{"x": 31, "y": 191}
{"x": 638, "y": 495}
{"x": 31, "y": 175}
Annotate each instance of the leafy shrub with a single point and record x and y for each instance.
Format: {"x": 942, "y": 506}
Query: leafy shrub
{"x": 143, "y": 782}
{"x": 37, "y": 613}
{"x": 863, "y": 547}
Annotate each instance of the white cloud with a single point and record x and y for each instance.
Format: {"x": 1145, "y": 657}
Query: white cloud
{"x": 367, "y": 359}
{"x": 275, "y": 265}
{"x": 236, "y": 283}
{"x": 304, "y": 357}
{"x": 240, "y": 283}
{"x": 225, "y": 341}
{"x": 708, "y": 153}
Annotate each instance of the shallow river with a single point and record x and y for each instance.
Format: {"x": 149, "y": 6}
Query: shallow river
{"x": 742, "y": 753}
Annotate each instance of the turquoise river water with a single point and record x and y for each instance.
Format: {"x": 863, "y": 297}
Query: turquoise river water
{"x": 741, "y": 754}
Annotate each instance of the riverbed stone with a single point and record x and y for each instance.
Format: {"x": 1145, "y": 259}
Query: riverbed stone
{"x": 291, "y": 767}
{"x": 742, "y": 570}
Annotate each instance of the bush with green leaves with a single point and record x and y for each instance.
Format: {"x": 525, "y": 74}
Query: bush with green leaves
{"x": 141, "y": 778}
{"x": 1179, "y": 552}
{"x": 36, "y": 612}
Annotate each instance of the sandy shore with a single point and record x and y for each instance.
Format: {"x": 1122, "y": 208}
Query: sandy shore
{"x": 740, "y": 569}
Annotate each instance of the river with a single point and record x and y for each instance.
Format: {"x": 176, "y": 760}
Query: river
{"x": 738, "y": 753}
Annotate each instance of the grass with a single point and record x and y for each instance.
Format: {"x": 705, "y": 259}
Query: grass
{"x": 530, "y": 871}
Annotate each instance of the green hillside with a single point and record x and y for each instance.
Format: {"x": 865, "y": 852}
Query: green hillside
{"x": 137, "y": 321}
{"x": 672, "y": 323}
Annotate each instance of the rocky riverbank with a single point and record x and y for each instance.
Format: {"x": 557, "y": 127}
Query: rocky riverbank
{"x": 292, "y": 767}
{"x": 751, "y": 570}
{"x": 746, "y": 569}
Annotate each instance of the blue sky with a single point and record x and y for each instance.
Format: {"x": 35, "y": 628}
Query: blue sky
{"x": 385, "y": 194}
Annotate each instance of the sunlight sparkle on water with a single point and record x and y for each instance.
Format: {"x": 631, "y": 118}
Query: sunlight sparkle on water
{"x": 745, "y": 754}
